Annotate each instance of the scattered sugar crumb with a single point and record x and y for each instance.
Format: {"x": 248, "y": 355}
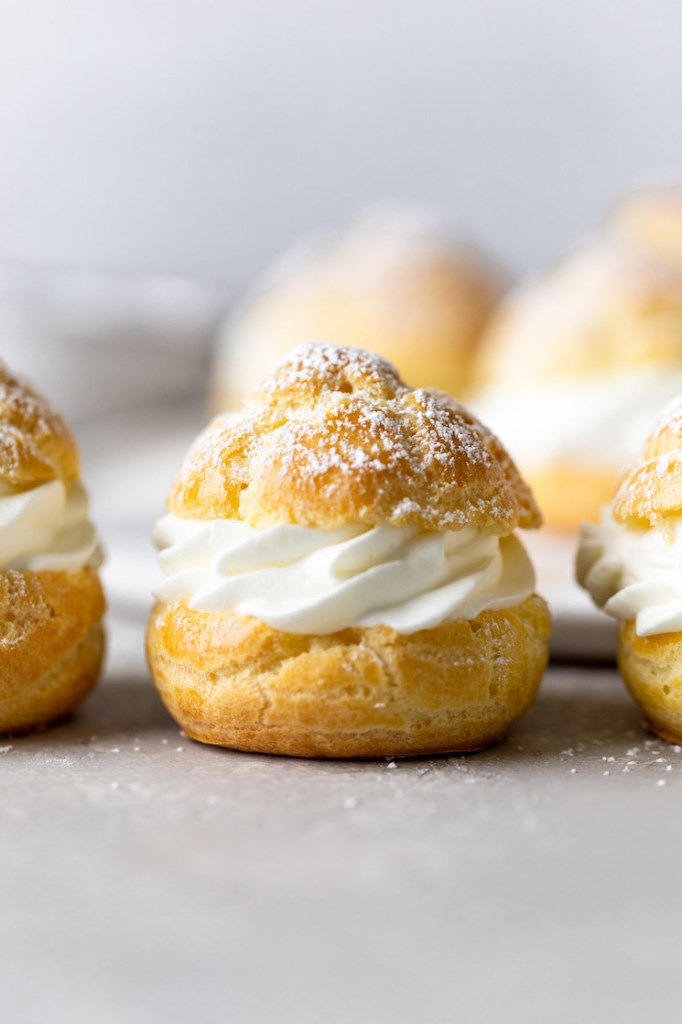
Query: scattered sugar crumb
{"x": 349, "y": 802}
{"x": 391, "y": 764}
{"x": 661, "y": 782}
{"x": 380, "y": 704}
{"x": 6, "y": 749}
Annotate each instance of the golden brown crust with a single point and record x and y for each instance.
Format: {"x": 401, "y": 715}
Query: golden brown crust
{"x": 234, "y": 681}
{"x": 333, "y": 437}
{"x": 652, "y": 670}
{"x": 423, "y": 311}
{"x": 35, "y": 443}
{"x": 51, "y": 644}
{"x": 653, "y": 487}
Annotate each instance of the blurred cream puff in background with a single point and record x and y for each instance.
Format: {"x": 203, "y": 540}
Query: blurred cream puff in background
{"x": 576, "y": 364}
{"x": 394, "y": 280}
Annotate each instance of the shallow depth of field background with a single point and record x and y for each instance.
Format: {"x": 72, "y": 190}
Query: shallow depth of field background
{"x": 201, "y": 137}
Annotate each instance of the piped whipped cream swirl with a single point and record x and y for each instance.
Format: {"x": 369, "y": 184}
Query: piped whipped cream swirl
{"x": 301, "y": 579}
{"x": 47, "y": 528}
{"x": 634, "y": 573}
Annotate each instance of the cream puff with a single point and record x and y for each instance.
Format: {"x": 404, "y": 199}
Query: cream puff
{"x": 51, "y": 600}
{"x": 343, "y": 572}
{"x": 576, "y": 366}
{"x": 631, "y": 563}
{"x": 651, "y": 219}
{"x": 392, "y": 281}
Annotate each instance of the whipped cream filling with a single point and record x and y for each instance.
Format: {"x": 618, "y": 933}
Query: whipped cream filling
{"x": 47, "y": 528}
{"x": 305, "y": 580}
{"x": 598, "y": 422}
{"x": 634, "y": 573}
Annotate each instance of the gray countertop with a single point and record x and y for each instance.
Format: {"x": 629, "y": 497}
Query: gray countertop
{"x": 145, "y": 877}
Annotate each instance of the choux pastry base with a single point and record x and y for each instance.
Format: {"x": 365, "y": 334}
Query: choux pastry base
{"x": 51, "y": 644}
{"x": 234, "y": 681}
{"x": 652, "y": 669}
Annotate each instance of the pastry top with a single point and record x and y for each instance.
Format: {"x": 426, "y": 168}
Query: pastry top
{"x": 651, "y": 489}
{"x": 392, "y": 281}
{"x": 36, "y": 445}
{"x": 334, "y": 437}
{"x": 606, "y": 307}
{"x": 652, "y": 220}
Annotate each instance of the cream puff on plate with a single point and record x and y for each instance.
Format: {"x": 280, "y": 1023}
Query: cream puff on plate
{"x": 394, "y": 281}
{"x": 575, "y": 368}
{"x": 51, "y": 600}
{"x": 631, "y": 564}
{"x": 344, "y": 575}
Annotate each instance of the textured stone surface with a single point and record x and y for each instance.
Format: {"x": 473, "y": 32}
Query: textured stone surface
{"x": 144, "y": 877}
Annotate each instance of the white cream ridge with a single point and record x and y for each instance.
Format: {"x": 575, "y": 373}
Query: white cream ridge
{"x": 47, "y": 528}
{"x": 305, "y": 580}
{"x": 634, "y": 573}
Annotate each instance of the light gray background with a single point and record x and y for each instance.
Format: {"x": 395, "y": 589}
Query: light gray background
{"x": 200, "y": 137}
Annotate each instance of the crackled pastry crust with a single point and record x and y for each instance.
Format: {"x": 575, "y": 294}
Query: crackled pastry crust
{"x": 234, "y": 681}
{"x": 652, "y": 488}
{"x": 335, "y": 437}
{"x": 35, "y": 444}
{"x": 51, "y": 644}
{"x": 424, "y": 308}
{"x": 51, "y": 637}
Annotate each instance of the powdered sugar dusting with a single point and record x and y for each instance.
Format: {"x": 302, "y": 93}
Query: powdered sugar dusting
{"x": 35, "y": 444}
{"x": 653, "y": 487}
{"x": 335, "y": 436}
